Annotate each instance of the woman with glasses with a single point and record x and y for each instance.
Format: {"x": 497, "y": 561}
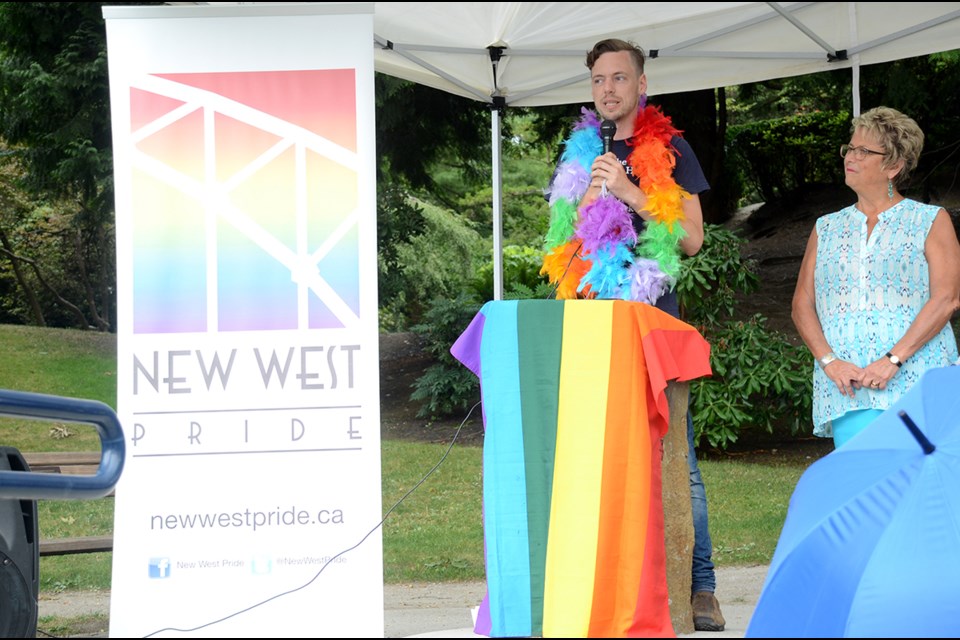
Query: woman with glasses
{"x": 879, "y": 282}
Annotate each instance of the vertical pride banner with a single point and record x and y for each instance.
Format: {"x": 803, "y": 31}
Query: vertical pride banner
{"x": 248, "y": 382}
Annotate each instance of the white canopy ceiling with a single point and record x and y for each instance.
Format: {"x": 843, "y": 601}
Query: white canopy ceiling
{"x": 691, "y": 45}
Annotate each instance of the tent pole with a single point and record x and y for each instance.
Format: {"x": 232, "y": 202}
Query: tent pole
{"x": 856, "y": 89}
{"x": 495, "y": 144}
{"x": 855, "y": 58}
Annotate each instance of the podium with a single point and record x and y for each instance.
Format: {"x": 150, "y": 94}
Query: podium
{"x": 575, "y": 409}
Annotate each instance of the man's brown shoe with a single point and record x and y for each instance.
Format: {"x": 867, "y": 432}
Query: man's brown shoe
{"x": 706, "y": 612}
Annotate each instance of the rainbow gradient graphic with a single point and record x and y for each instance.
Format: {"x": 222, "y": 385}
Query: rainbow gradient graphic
{"x": 245, "y": 201}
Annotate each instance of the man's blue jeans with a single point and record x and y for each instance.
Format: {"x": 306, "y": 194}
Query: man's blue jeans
{"x": 704, "y": 578}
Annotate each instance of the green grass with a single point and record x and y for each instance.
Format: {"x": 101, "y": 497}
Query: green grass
{"x": 435, "y": 533}
{"x": 62, "y": 362}
{"x": 747, "y": 504}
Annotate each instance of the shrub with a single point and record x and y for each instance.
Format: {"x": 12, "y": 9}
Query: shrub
{"x": 430, "y": 253}
{"x": 446, "y": 387}
{"x": 710, "y": 280}
{"x": 760, "y": 379}
{"x": 521, "y": 269}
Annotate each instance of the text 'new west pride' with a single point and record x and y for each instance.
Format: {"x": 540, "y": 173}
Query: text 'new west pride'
{"x": 308, "y": 367}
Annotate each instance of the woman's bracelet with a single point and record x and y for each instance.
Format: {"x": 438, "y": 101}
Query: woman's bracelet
{"x": 827, "y": 359}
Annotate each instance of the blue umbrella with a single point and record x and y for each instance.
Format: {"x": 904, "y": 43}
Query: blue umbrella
{"x": 871, "y": 542}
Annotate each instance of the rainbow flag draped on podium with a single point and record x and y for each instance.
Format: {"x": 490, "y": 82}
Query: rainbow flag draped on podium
{"x": 574, "y": 408}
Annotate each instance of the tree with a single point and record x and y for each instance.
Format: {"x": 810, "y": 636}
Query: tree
{"x": 21, "y": 294}
{"x": 701, "y": 116}
{"x": 419, "y": 128}
{"x": 925, "y": 89}
{"x": 55, "y": 121}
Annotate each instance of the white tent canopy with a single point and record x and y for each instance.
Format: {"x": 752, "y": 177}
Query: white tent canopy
{"x": 691, "y": 45}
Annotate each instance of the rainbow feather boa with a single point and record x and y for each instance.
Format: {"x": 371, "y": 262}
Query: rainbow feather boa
{"x": 596, "y": 253}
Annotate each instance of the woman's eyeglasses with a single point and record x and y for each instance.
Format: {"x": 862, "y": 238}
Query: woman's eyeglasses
{"x": 858, "y": 152}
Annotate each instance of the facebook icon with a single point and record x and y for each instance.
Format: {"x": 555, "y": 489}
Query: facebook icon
{"x": 159, "y": 567}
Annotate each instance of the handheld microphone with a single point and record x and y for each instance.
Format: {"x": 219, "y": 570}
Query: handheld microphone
{"x": 607, "y": 129}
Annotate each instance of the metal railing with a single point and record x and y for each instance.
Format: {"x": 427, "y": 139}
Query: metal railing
{"x": 29, "y": 485}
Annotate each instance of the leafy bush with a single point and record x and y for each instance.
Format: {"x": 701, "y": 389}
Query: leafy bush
{"x": 521, "y": 268}
{"x": 760, "y": 379}
{"x": 543, "y": 291}
{"x": 431, "y": 253}
{"x": 446, "y": 387}
{"x": 399, "y": 221}
{"x": 710, "y": 280}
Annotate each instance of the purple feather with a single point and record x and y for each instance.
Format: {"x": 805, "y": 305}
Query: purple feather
{"x": 605, "y": 221}
{"x": 647, "y": 281}
{"x": 588, "y": 120}
{"x": 570, "y": 183}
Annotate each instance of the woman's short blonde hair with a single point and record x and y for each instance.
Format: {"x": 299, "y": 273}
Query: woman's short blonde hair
{"x": 899, "y": 134}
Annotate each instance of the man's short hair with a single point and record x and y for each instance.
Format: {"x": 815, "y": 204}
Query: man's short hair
{"x": 612, "y": 45}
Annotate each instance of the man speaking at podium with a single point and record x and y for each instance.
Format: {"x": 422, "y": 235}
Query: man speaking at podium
{"x": 635, "y": 206}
